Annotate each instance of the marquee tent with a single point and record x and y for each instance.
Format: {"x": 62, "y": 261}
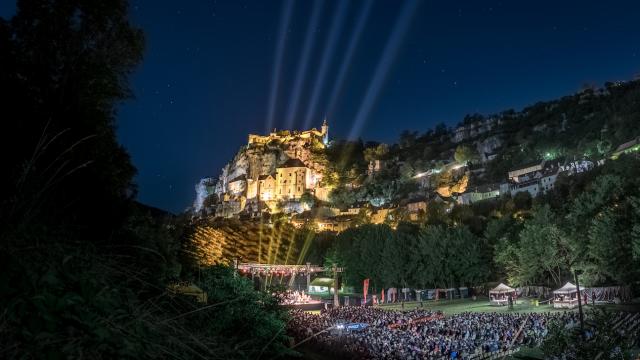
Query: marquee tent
{"x": 499, "y": 295}
{"x": 566, "y": 296}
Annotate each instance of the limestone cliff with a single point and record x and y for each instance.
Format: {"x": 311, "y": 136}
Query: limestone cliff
{"x": 260, "y": 157}
{"x": 255, "y": 160}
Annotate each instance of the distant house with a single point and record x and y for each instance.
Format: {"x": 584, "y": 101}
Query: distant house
{"x": 335, "y": 224}
{"x": 629, "y": 146}
{"x": 237, "y": 185}
{"x": 536, "y": 179}
{"x": 375, "y": 166}
{"x": 293, "y": 178}
{"x": 379, "y": 215}
{"x": 415, "y": 207}
{"x": 266, "y": 187}
{"x": 521, "y": 173}
{"x": 353, "y": 210}
{"x": 479, "y": 193}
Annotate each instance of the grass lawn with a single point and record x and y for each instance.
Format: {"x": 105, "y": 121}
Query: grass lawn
{"x": 527, "y": 353}
{"x": 449, "y": 307}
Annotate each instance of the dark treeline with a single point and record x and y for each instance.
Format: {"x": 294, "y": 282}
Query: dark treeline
{"x": 590, "y": 222}
{"x": 84, "y": 269}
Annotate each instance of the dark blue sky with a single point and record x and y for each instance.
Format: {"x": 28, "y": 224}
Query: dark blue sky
{"x": 207, "y": 76}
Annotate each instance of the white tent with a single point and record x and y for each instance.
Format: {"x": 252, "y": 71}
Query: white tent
{"x": 499, "y": 295}
{"x": 566, "y": 296}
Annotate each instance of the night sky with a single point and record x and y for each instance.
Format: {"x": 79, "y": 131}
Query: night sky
{"x": 215, "y": 71}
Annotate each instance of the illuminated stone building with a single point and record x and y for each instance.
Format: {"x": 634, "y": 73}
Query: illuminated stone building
{"x": 286, "y": 135}
{"x": 293, "y": 178}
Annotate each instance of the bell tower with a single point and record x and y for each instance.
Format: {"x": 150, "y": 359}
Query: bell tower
{"x": 325, "y": 132}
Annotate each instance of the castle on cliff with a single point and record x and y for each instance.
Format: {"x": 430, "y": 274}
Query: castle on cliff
{"x": 286, "y": 135}
{"x": 271, "y": 173}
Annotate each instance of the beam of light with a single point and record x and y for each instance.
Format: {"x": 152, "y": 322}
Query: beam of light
{"x": 309, "y": 237}
{"x": 304, "y": 62}
{"x": 327, "y": 56}
{"x": 287, "y": 9}
{"x": 388, "y": 56}
{"x": 353, "y": 44}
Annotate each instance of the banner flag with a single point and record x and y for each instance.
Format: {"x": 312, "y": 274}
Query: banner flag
{"x": 365, "y": 289}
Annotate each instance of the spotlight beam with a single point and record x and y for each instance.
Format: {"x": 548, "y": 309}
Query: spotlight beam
{"x": 382, "y": 70}
{"x": 329, "y": 49}
{"x": 353, "y": 44}
{"x": 304, "y": 62}
{"x": 287, "y": 9}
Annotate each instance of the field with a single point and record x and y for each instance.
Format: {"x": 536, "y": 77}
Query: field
{"x": 449, "y": 307}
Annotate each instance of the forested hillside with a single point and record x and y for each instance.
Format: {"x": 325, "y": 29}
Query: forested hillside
{"x": 587, "y": 125}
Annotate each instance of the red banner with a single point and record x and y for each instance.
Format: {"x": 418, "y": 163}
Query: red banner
{"x": 365, "y": 290}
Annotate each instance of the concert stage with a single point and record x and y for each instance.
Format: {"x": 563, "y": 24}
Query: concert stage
{"x": 309, "y": 306}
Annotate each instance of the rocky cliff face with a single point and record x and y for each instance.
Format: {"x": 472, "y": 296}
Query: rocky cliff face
{"x": 262, "y": 159}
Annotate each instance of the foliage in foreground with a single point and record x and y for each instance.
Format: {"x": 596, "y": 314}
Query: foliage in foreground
{"x": 63, "y": 299}
{"x": 83, "y": 268}
{"x": 604, "y": 338}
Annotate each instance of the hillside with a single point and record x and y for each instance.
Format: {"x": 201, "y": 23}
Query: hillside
{"x": 315, "y": 184}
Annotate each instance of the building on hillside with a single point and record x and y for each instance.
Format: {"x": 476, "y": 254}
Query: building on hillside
{"x": 416, "y": 207}
{"x": 532, "y": 187}
{"x": 285, "y": 136}
{"x": 293, "y": 178}
{"x": 266, "y": 187}
{"x": 335, "y": 224}
{"x": 380, "y": 215}
{"x": 488, "y": 148}
{"x": 479, "y": 193}
{"x": 548, "y": 180}
{"x": 535, "y": 179}
{"x": 252, "y": 189}
{"x": 375, "y": 166}
{"x": 522, "y": 173}
{"x": 625, "y": 148}
{"x": 352, "y": 210}
{"x": 237, "y": 185}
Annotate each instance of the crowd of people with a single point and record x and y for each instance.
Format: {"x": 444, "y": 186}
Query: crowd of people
{"x": 423, "y": 334}
{"x": 294, "y": 298}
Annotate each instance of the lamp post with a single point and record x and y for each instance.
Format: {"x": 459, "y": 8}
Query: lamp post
{"x": 336, "y": 301}
{"x": 575, "y": 275}
{"x": 308, "y": 271}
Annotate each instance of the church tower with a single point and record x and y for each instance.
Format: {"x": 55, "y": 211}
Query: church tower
{"x": 325, "y": 132}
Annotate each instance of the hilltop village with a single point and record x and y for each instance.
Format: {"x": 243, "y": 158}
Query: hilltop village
{"x": 331, "y": 185}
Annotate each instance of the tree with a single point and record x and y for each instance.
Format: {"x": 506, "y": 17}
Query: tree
{"x": 308, "y": 199}
{"x": 540, "y": 254}
{"x": 376, "y": 153}
{"x": 604, "y": 340}
{"x": 407, "y": 139}
{"x": 604, "y": 146}
{"x": 464, "y": 154}
{"x": 65, "y": 71}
